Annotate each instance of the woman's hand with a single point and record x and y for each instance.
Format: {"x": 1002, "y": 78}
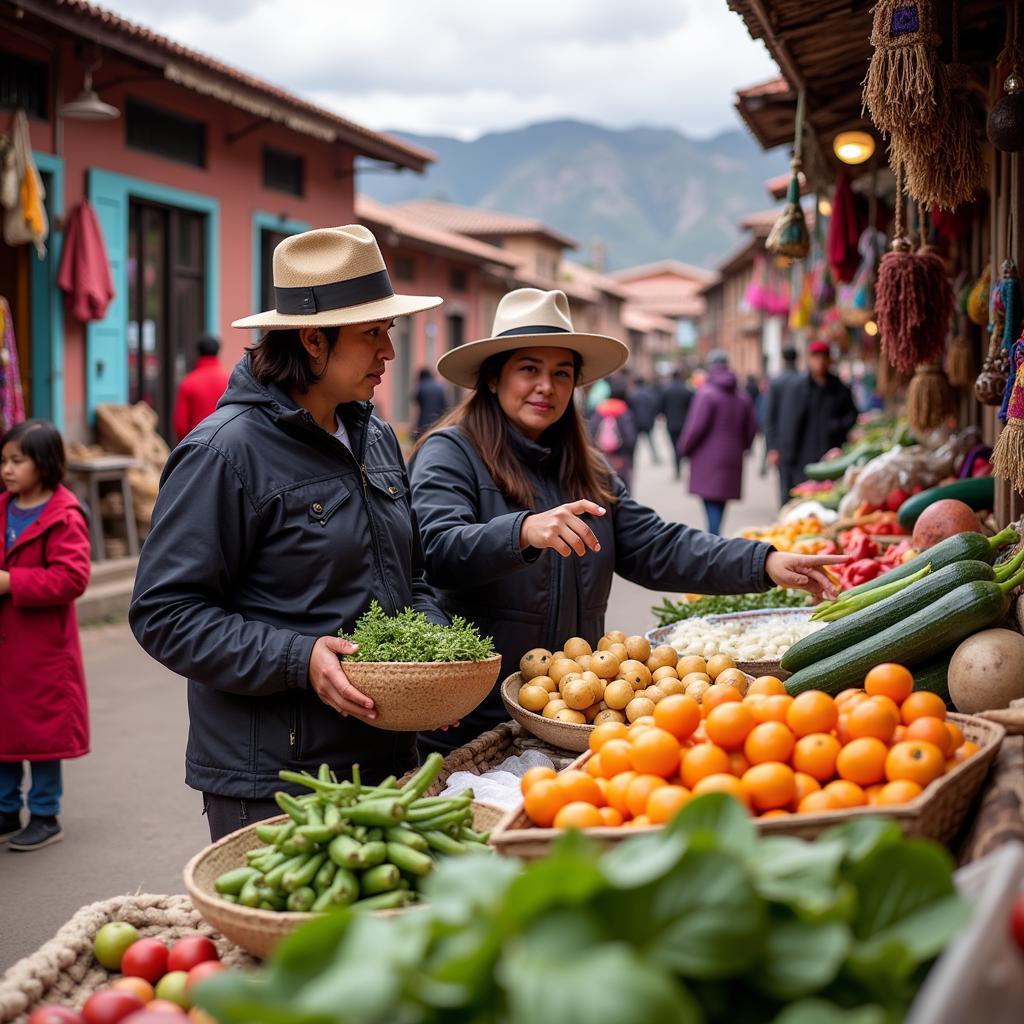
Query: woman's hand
{"x": 803, "y": 572}
{"x": 5, "y": 582}
{"x": 562, "y": 529}
{"x": 328, "y": 678}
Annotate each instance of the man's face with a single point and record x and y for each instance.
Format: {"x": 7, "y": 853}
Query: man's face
{"x": 819, "y": 363}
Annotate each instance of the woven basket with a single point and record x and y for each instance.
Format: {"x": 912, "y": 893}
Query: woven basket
{"x": 64, "y": 970}
{"x": 259, "y": 931}
{"x": 936, "y": 814}
{"x": 422, "y": 696}
{"x": 565, "y": 735}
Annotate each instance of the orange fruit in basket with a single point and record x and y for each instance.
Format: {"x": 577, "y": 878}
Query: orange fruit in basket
{"x": 677, "y": 714}
{"x": 738, "y": 763}
{"x": 723, "y": 783}
{"x": 610, "y": 817}
{"x": 579, "y": 786}
{"x": 812, "y": 711}
{"x": 956, "y": 736}
{"x": 846, "y": 695}
{"x": 578, "y": 814}
{"x": 922, "y": 704}
{"x": 618, "y": 789}
{"x": 701, "y": 761}
{"x": 606, "y": 731}
{"x": 544, "y": 799}
{"x": 934, "y": 731}
{"x": 718, "y": 693}
{"x": 772, "y": 709}
{"x": 890, "y": 680}
{"x": 639, "y": 792}
{"x": 655, "y": 752}
{"x": 899, "y": 792}
{"x": 615, "y": 758}
{"x": 535, "y": 774}
{"x": 593, "y": 766}
{"x": 845, "y": 793}
{"x": 964, "y": 751}
{"x": 641, "y": 821}
{"x": 876, "y": 717}
{"x": 767, "y": 685}
{"x": 862, "y": 761}
{"x": 770, "y": 785}
{"x": 664, "y": 802}
{"x": 804, "y": 784}
{"x": 816, "y": 755}
{"x": 916, "y": 760}
{"x": 816, "y": 802}
{"x": 775, "y": 812}
{"x": 728, "y": 724}
{"x": 769, "y": 741}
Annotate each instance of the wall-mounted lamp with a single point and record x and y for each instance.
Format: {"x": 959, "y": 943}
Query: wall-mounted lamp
{"x": 853, "y": 147}
{"x": 871, "y": 328}
{"x": 87, "y": 106}
{"x": 824, "y": 207}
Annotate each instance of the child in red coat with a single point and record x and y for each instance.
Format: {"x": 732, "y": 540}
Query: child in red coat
{"x": 44, "y": 566}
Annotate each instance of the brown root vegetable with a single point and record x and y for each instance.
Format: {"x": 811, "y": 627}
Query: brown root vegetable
{"x": 987, "y": 671}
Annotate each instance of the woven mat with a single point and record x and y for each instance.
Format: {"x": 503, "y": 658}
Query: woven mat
{"x": 1000, "y": 815}
{"x": 64, "y": 970}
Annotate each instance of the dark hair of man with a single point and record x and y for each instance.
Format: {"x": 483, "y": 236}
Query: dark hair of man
{"x": 208, "y": 345}
{"x": 582, "y": 472}
{"x": 280, "y": 358}
{"x": 789, "y": 355}
{"x": 40, "y": 440}
{"x": 425, "y": 374}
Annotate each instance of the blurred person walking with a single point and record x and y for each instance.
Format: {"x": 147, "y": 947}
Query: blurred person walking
{"x": 774, "y": 404}
{"x": 644, "y": 402}
{"x": 613, "y": 428}
{"x": 719, "y": 429}
{"x": 675, "y": 404}
{"x": 201, "y": 389}
{"x": 431, "y": 401}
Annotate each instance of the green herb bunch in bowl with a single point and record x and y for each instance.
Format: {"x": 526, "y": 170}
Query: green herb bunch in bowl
{"x": 421, "y": 675}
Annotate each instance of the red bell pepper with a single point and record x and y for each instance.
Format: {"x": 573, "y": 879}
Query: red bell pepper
{"x": 861, "y": 571}
{"x": 857, "y": 544}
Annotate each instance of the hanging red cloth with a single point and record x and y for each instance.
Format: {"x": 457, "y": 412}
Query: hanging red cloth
{"x": 84, "y": 267}
{"x": 843, "y": 233}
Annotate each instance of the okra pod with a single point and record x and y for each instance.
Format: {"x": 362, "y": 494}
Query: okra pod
{"x": 301, "y": 900}
{"x": 422, "y": 780}
{"x": 325, "y": 875}
{"x": 231, "y": 882}
{"x": 249, "y": 894}
{"x": 268, "y": 833}
{"x": 424, "y": 812}
{"x": 444, "y": 843}
{"x": 291, "y": 807}
{"x": 316, "y": 834}
{"x": 345, "y": 851}
{"x": 314, "y": 814}
{"x": 228, "y": 897}
{"x": 397, "y": 834}
{"x": 333, "y": 819}
{"x": 277, "y": 903}
{"x": 382, "y": 878}
{"x": 344, "y": 889}
{"x": 384, "y": 901}
{"x": 372, "y": 854}
{"x": 297, "y": 843}
{"x": 376, "y": 813}
{"x": 325, "y": 774}
{"x": 408, "y": 859}
{"x": 285, "y": 834}
{"x": 303, "y": 875}
{"x": 468, "y": 835}
{"x": 274, "y": 878}
{"x": 459, "y": 817}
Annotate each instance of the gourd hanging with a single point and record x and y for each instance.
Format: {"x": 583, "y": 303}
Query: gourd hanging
{"x": 1008, "y": 454}
{"x": 789, "y": 237}
{"x": 990, "y": 387}
{"x": 1005, "y": 125}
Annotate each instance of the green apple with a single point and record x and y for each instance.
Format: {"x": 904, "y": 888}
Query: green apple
{"x": 110, "y": 943}
{"x": 172, "y": 986}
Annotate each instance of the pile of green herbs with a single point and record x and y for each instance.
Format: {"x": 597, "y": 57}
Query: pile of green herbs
{"x": 699, "y": 922}
{"x": 411, "y": 636}
{"x": 670, "y": 612}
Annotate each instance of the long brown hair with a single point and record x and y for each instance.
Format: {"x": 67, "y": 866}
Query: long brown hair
{"x": 582, "y": 472}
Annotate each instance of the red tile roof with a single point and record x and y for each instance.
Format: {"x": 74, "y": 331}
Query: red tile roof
{"x": 469, "y": 220}
{"x": 686, "y": 271}
{"x": 773, "y": 87}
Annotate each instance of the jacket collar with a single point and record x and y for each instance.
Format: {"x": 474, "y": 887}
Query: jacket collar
{"x": 58, "y": 508}
{"x": 532, "y": 452}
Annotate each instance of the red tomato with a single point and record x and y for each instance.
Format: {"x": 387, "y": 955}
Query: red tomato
{"x": 109, "y": 1006}
{"x": 202, "y": 971}
{"x": 147, "y": 959}
{"x": 54, "y": 1014}
{"x": 1016, "y": 923}
{"x": 192, "y": 950}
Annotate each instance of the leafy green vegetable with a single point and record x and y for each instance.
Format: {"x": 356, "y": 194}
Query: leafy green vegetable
{"x": 669, "y": 612}
{"x": 411, "y": 636}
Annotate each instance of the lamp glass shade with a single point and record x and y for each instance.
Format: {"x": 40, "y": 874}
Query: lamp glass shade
{"x": 87, "y": 106}
{"x": 853, "y": 147}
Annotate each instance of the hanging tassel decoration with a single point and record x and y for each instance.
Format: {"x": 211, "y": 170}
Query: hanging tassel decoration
{"x": 789, "y": 237}
{"x": 888, "y": 380}
{"x": 977, "y": 303}
{"x": 1008, "y": 454}
{"x": 991, "y": 382}
{"x": 929, "y": 398}
{"x": 1013, "y": 361}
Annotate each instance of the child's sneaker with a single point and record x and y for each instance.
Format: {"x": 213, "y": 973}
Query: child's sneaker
{"x": 39, "y": 832}
{"x": 10, "y": 824}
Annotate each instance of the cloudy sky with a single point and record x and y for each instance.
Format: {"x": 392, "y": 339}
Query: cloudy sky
{"x": 463, "y": 67}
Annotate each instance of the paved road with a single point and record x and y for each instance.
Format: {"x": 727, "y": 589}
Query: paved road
{"x": 130, "y": 822}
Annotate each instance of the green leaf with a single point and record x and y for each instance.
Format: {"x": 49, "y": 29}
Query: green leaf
{"x": 236, "y": 997}
{"x": 863, "y": 836}
{"x": 799, "y": 958}
{"x": 611, "y": 984}
{"x": 820, "y": 1011}
{"x": 309, "y": 949}
{"x": 802, "y": 875}
{"x": 643, "y": 859}
{"x": 717, "y": 821}
{"x": 460, "y": 889}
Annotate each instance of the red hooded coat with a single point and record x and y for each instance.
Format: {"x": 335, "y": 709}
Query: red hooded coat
{"x": 43, "y": 714}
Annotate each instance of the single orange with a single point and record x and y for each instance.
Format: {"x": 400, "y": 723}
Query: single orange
{"x": 916, "y": 760}
{"x": 535, "y": 774}
{"x": 610, "y": 816}
{"x": 701, "y": 761}
{"x": 544, "y": 799}
{"x": 845, "y": 793}
{"x": 899, "y": 735}
{"x": 956, "y": 735}
{"x": 773, "y": 708}
{"x": 842, "y": 697}
{"x": 729, "y": 724}
{"x": 890, "y": 680}
{"x": 934, "y": 731}
{"x": 842, "y": 729}
{"x": 769, "y": 741}
{"x": 862, "y": 761}
{"x": 964, "y": 751}
{"x": 602, "y": 784}
{"x": 606, "y": 731}
{"x": 664, "y": 802}
{"x": 876, "y": 717}
{"x": 579, "y": 786}
{"x": 618, "y": 790}
{"x": 655, "y": 752}
{"x": 677, "y": 714}
{"x": 640, "y": 790}
{"x": 723, "y": 783}
{"x": 137, "y": 986}
{"x": 816, "y": 802}
{"x": 767, "y": 685}
{"x": 578, "y": 814}
{"x": 871, "y": 793}
{"x": 615, "y": 758}
{"x": 816, "y": 755}
{"x": 922, "y": 704}
{"x": 812, "y": 711}
{"x": 738, "y": 763}
{"x": 593, "y": 766}
{"x": 641, "y": 821}
{"x": 899, "y": 792}
{"x": 804, "y": 784}
{"x": 770, "y": 785}
{"x": 718, "y": 693}
{"x": 775, "y": 812}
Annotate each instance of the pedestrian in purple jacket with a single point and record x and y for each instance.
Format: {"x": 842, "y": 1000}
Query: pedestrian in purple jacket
{"x": 720, "y": 427}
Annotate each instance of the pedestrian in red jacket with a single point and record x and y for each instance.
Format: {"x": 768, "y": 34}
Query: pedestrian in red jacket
{"x": 44, "y": 567}
{"x": 201, "y": 389}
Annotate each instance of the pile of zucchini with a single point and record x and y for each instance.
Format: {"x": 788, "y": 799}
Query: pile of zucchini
{"x": 914, "y": 615}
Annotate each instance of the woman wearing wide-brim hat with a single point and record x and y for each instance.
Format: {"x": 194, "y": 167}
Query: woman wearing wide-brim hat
{"x": 280, "y": 517}
{"x": 524, "y": 524}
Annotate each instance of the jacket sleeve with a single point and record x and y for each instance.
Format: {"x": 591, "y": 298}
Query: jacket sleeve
{"x": 447, "y": 506}
{"x": 671, "y": 556}
{"x": 205, "y": 529}
{"x": 66, "y": 574}
{"x": 846, "y": 412}
{"x": 698, "y": 421}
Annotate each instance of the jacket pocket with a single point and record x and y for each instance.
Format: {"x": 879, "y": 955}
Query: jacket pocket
{"x": 391, "y": 485}
{"x": 321, "y": 511}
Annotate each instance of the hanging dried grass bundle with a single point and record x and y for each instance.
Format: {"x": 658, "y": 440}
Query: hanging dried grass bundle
{"x": 888, "y": 380}
{"x": 960, "y": 366}
{"x": 929, "y": 398}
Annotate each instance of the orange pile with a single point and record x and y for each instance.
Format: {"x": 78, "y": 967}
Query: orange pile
{"x": 777, "y": 754}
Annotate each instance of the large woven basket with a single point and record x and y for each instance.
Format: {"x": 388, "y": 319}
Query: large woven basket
{"x": 936, "y": 814}
{"x": 64, "y": 969}
{"x": 422, "y": 696}
{"x": 565, "y": 735}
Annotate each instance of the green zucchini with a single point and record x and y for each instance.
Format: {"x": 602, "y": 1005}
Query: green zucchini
{"x": 841, "y": 635}
{"x": 913, "y": 640}
{"x": 960, "y": 548}
{"x": 934, "y": 675}
{"x": 833, "y": 469}
{"x": 979, "y": 492}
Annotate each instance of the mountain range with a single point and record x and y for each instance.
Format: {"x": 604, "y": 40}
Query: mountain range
{"x": 628, "y": 196}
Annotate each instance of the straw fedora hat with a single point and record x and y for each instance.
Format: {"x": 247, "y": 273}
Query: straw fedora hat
{"x": 531, "y": 318}
{"x": 330, "y": 277}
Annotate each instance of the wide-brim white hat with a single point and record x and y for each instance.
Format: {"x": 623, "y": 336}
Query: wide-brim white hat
{"x": 331, "y": 277}
{"x": 532, "y": 318}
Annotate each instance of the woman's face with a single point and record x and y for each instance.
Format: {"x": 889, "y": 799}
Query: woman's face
{"x": 355, "y": 365}
{"x": 535, "y": 388}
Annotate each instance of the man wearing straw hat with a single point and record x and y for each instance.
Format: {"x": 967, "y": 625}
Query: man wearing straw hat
{"x": 279, "y": 519}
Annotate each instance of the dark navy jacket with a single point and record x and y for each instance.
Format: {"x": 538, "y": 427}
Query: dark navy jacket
{"x": 267, "y": 534}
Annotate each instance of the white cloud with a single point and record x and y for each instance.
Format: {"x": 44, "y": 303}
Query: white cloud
{"x": 462, "y": 67}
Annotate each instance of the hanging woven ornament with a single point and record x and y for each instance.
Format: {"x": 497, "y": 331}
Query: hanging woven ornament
{"x": 1014, "y": 359}
{"x": 788, "y": 237}
{"x": 977, "y": 302}
{"x": 960, "y": 366}
{"x": 990, "y": 386}
{"x": 929, "y": 398}
{"x": 905, "y": 85}
{"x": 1008, "y": 454}
{"x": 1005, "y": 126}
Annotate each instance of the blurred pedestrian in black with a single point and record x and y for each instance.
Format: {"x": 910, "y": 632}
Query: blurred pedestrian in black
{"x": 645, "y": 404}
{"x": 431, "y": 401}
{"x": 675, "y": 404}
{"x": 779, "y": 388}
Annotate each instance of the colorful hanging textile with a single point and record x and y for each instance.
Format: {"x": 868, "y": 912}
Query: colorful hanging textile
{"x": 12, "y": 404}
{"x": 843, "y": 233}
{"x": 21, "y": 190}
{"x": 84, "y": 267}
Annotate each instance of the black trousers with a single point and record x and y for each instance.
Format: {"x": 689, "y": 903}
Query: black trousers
{"x": 789, "y": 477}
{"x": 226, "y": 814}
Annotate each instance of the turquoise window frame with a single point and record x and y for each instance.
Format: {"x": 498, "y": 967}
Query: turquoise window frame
{"x": 121, "y": 189}
{"x": 47, "y": 338}
{"x": 262, "y": 221}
